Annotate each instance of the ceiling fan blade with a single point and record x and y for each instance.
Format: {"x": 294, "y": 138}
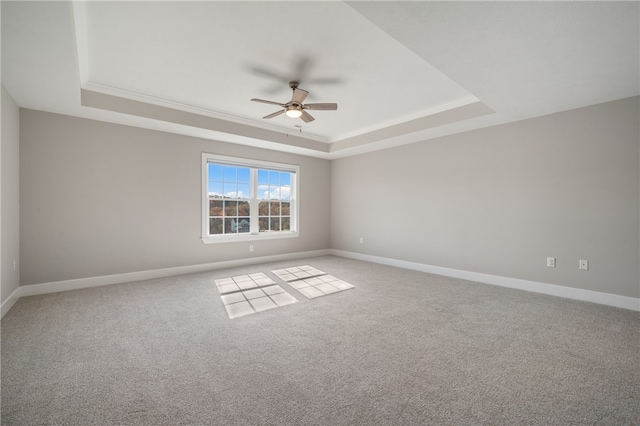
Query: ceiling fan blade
{"x": 306, "y": 117}
{"x": 323, "y": 80}
{"x": 325, "y": 106}
{"x": 265, "y": 72}
{"x": 299, "y": 95}
{"x": 267, "y": 102}
{"x": 275, "y": 114}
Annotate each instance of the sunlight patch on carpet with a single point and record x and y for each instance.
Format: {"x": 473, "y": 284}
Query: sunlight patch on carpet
{"x": 248, "y": 294}
{"x": 297, "y": 273}
{"x": 320, "y": 286}
{"x": 312, "y": 282}
{"x": 247, "y": 302}
{"x": 243, "y": 282}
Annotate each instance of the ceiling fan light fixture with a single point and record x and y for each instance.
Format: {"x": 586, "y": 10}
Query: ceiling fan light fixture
{"x": 293, "y": 112}
{"x": 295, "y": 108}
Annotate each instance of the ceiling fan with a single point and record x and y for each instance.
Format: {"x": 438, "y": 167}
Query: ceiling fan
{"x": 295, "y": 108}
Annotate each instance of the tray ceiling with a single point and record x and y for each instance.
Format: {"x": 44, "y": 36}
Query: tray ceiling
{"x": 400, "y": 72}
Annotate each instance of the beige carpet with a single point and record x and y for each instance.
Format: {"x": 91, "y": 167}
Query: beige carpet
{"x": 403, "y": 347}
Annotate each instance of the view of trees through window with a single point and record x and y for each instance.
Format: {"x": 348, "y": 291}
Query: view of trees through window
{"x": 274, "y": 193}
{"x": 230, "y": 191}
{"x": 229, "y": 194}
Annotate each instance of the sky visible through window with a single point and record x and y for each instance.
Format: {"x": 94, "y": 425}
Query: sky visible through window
{"x": 248, "y": 199}
{"x": 234, "y": 182}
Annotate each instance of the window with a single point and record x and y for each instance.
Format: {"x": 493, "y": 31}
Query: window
{"x": 248, "y": 199}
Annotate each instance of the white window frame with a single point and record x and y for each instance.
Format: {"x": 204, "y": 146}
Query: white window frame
{"x": 253, "y": 165}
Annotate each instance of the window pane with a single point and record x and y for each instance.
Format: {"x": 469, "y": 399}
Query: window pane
{"x": 274, "y": 178}
{"x": 228, "y": 203}
{"x": 215, "y": 172}
{"x": 244, "y": 208}
{"x": 244, "y": 191}
{"x": 263, "y": 177}
{"x": 274, "y": 192}
{"x": 215, "y": 207}
{"x": 243, "y": 175}
{"x": 215, "y": 189}
{"x": 230, "y": 189}
{"x": 230, "y": 174}
{"x": 244, "y": 225}
{"x": 230, "y": 208}
{"x": 263, "y": 208}
{"x": 285, "y": 193}
{"x": 275, "y": 208}
{"x": 263, "y": 192}
{"x": 230, "y": 226}
{"x": 215, "y": 226}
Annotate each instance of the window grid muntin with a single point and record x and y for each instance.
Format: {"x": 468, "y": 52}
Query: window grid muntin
{"x": 229, "y": 211}
{"x": 286, "y": 222}
{"x": 270, "y": 207}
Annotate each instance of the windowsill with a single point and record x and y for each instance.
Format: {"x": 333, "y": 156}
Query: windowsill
{"x": 248, "y": 237}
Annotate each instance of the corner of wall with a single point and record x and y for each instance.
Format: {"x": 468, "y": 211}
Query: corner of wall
{"x": 9, "y": 200}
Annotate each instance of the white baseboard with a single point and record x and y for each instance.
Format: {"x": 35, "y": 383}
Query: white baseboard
{"x": 615, "y": 300}
{"x": 54, "y": 287}
{"x": 536, "y": 287}
{"x": 11, "y": 300}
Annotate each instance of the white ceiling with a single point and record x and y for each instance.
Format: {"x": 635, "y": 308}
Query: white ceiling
{"x": 400, "y": 72}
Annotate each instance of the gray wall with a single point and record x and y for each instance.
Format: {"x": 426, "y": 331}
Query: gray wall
{"x": 101, "y": 199}
{"x": 10, "y": 202}
{"x": 500, "y": 200}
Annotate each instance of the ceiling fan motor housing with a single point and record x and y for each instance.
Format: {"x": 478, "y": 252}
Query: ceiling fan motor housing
{"x": 293, "y": 111}
{"x": 295, "y": 108}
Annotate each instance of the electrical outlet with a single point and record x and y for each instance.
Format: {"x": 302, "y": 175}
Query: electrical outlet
{"x": 584, "y": 264}
{"x": 551, "y": 262}
{"x": 361, "y": 240}
{"x": 15, "y": 265}
{"x": 251, "y": 248}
